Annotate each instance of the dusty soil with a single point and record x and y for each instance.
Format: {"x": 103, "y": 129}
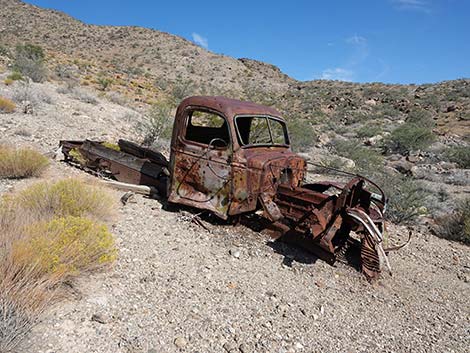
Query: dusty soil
{"x": 177, "y": 287}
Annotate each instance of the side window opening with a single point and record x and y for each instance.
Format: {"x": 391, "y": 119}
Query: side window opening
{"x": 204, "y": 127}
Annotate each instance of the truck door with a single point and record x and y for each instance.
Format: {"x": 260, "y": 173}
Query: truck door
{"x": 202, "y": 154}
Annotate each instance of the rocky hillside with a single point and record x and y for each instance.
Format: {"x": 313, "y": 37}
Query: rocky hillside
{"x": 147, "y": 65}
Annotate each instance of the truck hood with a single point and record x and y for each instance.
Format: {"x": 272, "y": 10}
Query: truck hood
{"x": 275, "y": 164}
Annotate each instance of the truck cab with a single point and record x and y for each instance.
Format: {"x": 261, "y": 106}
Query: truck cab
{"x": 229, "y": 156}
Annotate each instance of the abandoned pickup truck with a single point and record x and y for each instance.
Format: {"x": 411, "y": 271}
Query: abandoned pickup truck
{"x": 234, "y": 158}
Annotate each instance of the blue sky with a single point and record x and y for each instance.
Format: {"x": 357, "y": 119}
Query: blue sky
{"x": 393, "y": 41}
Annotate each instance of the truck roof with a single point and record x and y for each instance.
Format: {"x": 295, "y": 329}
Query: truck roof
{"x": 227, "y": 106}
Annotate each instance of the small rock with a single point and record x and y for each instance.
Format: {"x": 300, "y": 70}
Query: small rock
{"x": 100, "y": 318}
{"x": 230, "y": 347}
{"x": 235, "y": 253}
{"x": 180, "y": 342}
{"x": 244, "y": 348}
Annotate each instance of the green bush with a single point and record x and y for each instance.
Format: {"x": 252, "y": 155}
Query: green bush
{"x": 158, "y": 124}
{"x": 459, "y": 155}
{"x": 15, "y": 76}
{"x": 21, "y": 163}
{"x": 29, "y": 61}
{"x": 409, "y": 137}
{"x": 301, "y": 133}
{"x": 456, "y": 225}
{"x": 406, "y": 197}
{"x": 368, "y": 130}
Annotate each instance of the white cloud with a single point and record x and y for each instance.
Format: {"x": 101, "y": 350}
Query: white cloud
{"x": 200, "y": 40}
{"x": 413, "y": 5}
{"x": 337, "y": 73}
{"x": 356, "y": 40}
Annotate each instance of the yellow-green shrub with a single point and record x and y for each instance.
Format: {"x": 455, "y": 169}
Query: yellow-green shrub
{"x": 66, "y": 197}
{"x": 21, "y": 163}
{"x": 111, "y": 145}
{"x": 6, "y": 105}
{"x": 65, "y": 246}
{"x": 8, "y": 81}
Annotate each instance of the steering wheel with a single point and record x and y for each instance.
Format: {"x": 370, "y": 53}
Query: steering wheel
{"x": 211, "y": 143}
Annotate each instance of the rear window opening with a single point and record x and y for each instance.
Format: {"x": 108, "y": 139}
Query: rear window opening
{"x": 261, "y": 131}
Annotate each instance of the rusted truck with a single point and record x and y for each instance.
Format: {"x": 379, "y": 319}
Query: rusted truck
{"x": 234, "y": 158}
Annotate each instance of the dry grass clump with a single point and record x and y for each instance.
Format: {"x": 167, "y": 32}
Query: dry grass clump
{"x": 21, "y": 163}
{"x": 66, "y": 197}
{"x": 45, "y": 239}
{"x": 6, "y": 105}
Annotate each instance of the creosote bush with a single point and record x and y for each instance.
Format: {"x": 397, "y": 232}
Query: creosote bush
{"x": 459, "y": 155}
{"x": 157, "y": 126}
{"x": 301, "y": 134}
{"x": 21, "y": 163}
{"x": 6, "y": 105}
{"x": 29, "y": 61}
{"x": 409, "y": 137}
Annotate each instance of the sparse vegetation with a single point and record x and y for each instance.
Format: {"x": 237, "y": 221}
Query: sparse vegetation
{"x": 459, "y": 155}
{"x": 456, "y": 224}
{"x": 39, "y": 252}
{"x": 302, "y": 135}
{"x": 406, "y": 197}
{"x": 111, "y": 145}
{"x": 366, "y": 159}
{"x": 21, "y": 163}
{"x": 15, "y": 76}
{"x": 29, "y": 61}
{"x": 6, "y": 105}
{"x": 67, "y": 197}
{"x": 157, "y": 125}
{"x": 409, "y": 137}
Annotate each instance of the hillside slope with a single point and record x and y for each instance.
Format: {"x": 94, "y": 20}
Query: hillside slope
{"x": 148, "y": 65}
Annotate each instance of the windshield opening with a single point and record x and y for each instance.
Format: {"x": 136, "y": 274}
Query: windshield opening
{"x": 261, "y": 131}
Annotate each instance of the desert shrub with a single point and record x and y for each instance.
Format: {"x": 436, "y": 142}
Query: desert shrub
{"x": 367, "y": 160}
{"x": 420, "y": 117}
{"x": 111, "y": 145}
{"x": 157, "y": 125}
{"x": 65, "y": 246}
{"x": 301, "y": 134}
{"x": 368, "y": 130}
{"x": 406, "y": 197}
{"x": 459, "y": 155}
{"x": 29, "y": 60}
{"x": 66, "y": 197}
{"x": 4, "y": 51}
{"x": 39, "y": 252}
{"x": 84, "y": 96}
{"x": 409, "y": 137}
{"x": 25, "y": 92}
{"x": 182, "y": 89}
{"x": 6, "y": 105}
{"x": 104, "y": 82}
{"x": 456, "y": 224}
{"x": 15, "y": 76}
{"x": 21, "y": 163}
{"x": 8, "y": 81}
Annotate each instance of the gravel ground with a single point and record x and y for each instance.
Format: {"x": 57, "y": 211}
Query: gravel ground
{"x": 178, "y": 287}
